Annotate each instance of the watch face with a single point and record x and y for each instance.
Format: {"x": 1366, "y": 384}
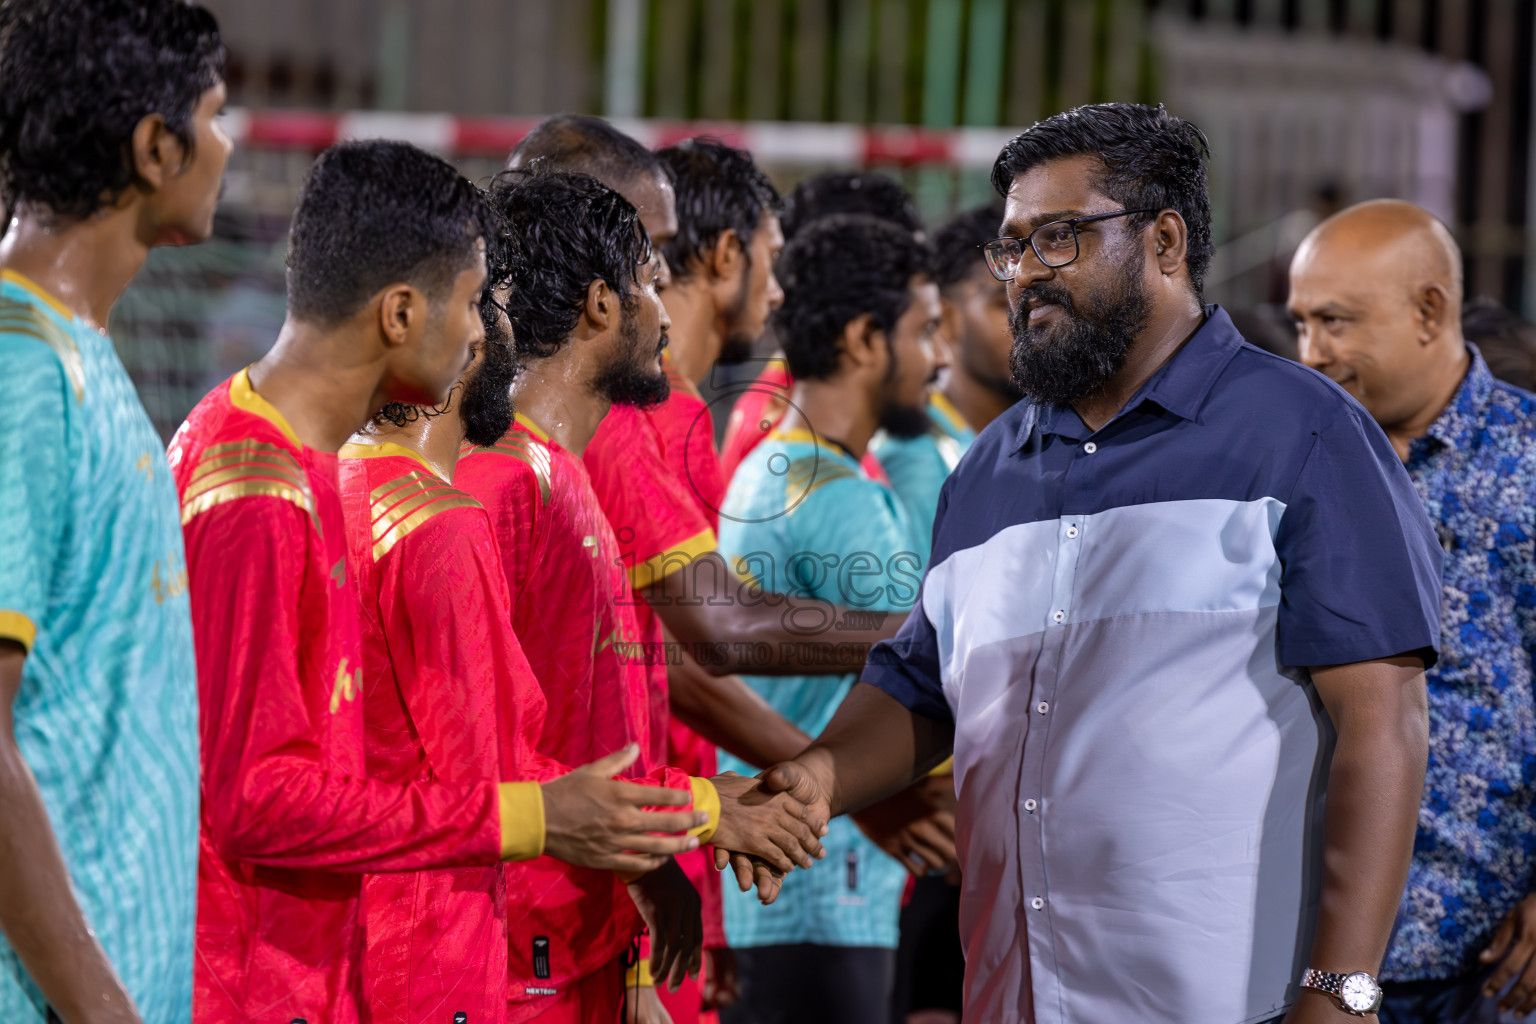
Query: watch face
{"x": 1360, "y": 992}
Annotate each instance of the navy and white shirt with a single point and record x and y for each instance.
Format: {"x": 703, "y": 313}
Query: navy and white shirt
{"x": 1119, "y": 622}
{"x": 1476, "y": 848}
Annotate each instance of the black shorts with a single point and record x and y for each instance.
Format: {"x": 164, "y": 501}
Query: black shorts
{"x": 807, "y": 984}
{"x": 930, "y": 965}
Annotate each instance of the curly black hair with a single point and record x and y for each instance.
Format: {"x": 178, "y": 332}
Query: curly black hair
{"x": 1151, "y": 160}
{"x": 849, "y": 192}
{"x": 76, "y": 78}
{"x": 839, "y": 268}
{"x": 719, "y": 189}
{"x": 374, "y": 213}
{"x": 957, "y": 245}
{"x": 561, "y": 233}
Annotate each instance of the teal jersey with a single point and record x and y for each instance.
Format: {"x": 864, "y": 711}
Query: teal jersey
{"x": 802, "y": 517}
{"x": 94, "y": 584}
{"x": 918, "y": 466}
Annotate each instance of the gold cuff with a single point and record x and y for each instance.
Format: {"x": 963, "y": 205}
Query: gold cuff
{"x": 522, "y": 820}
{"x": 705, "y": 798}
{"x": 639, "y": 976}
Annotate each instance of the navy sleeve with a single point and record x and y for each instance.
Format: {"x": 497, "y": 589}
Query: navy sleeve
{"x": 907, "y": 665}
{"x": 1360, "y": 566}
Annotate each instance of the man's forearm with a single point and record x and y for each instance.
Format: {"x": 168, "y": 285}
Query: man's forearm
{"x": 749, "y": 631}
{"x": 873, "y": 748}
{"x": 1375, "y": 785}
{"x": 38, "y": 912}
{"x": 732, "y": 716}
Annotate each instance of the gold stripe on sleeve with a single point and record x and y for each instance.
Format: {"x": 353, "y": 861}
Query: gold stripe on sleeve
{"x": 658, "y": 567}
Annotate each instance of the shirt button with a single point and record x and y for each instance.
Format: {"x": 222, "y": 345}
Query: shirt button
{"x": 1071, "y": 531}
{"x": 1030, "y": 805}
{"x": 1037, "y": 903}
{"x": 1058, "y": 616}
{"x": 1042, "y": 707}
{"x": 1090, "y": 447}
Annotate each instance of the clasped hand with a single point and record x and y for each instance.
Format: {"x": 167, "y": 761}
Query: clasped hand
{"x": 769, "y": 825}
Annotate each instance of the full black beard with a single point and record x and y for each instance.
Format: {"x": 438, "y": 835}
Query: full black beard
{"x": 486, "y": 405}
{"x": 628, "y": 380}
{"x": 904, "y": 421}
{"x": 1058, "y": 365}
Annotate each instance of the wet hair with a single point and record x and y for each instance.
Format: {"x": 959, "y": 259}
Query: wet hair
{"x": 375, "y": 213}
{"x": 1505, "y": 338}
{"x": 1151, "y": 159}
{"x": 719, "y": 189}
{"x": 837, "y": 269}
{"x": 562, "y": 232}
{"x": 849, "y": 192}
{"x": 77, "y": 77}
{"x": 582, "y": 144}
{"x": 957, "y": 245}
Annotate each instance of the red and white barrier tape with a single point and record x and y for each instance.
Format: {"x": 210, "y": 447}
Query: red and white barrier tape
{"x": 772, "y": 142}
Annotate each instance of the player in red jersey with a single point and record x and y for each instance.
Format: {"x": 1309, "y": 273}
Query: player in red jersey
{"x": 662, "y": 527}
{"x": 760, "y": 405}
{"x": 589, "y": 328}
{"x": 722, "y": 292}
{"x": 445, "y": 678}
{"x": 386, "y": 267}
{"x": 589, "y": 145}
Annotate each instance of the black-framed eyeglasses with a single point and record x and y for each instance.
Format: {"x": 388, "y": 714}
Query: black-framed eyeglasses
{"x": 1054, "y": 243}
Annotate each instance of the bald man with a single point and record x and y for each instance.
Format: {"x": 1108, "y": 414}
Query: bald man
{"x": 1376, "y": 296}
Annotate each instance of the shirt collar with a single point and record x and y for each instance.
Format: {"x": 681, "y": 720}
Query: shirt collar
{"x": 1467, "y": 408}
{"x": 1179, "y": 386}
{"x": 243, "y": 396}
{"x": 532, "y": 427}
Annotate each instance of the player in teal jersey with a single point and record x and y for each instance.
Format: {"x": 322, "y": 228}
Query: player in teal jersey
{"x": 918, "y": 466}
{"x": 977, "y": 386}
{"x": 108, "y": 146}
{"x": 802, "y": 517}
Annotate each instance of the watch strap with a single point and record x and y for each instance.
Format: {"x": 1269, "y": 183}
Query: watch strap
{"x": 1333, "y": 984}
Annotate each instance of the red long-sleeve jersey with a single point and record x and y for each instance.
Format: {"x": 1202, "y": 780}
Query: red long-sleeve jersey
{"x": 444, "y": 682}
{"x": 562, "y": 570}
{"x": 290, "y": 819}
{"x": 658, "y": 478}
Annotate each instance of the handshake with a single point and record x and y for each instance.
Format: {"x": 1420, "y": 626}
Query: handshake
{"x": 767, "y": 825}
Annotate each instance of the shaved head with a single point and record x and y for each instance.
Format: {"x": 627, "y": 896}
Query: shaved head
{"x": 1405, "y": 243}
{"x": 579, "y": 144}
{"x": 1376, "y": 298}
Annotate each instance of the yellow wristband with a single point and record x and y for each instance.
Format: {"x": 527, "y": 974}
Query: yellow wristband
{"x": 947, "y": 768}
{"x": 639, "y": 976}
{"x": 522, "y": 820}
{"x": 706, "y": 798}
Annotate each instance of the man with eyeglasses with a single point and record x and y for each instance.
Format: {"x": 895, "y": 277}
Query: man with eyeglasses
{"x": 1174, "y": 631}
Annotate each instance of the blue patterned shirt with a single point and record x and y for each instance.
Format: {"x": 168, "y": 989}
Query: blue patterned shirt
{"x": 1472, "y": 859}
{"x": 93, "y": 583}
